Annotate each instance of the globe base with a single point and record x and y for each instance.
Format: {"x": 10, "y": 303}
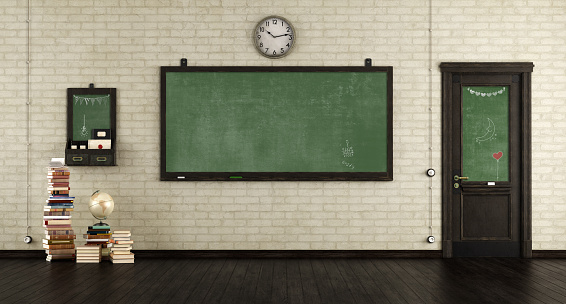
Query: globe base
{"x": 101, "y": 224}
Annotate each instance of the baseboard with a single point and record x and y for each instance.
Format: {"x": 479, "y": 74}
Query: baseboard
{"x": 549, "y": 254}
{"x": 288, "y": 254}
{"x": 185, "y": 254}
{"x": 178, "y": 254}
{"x": 22, "y": 254}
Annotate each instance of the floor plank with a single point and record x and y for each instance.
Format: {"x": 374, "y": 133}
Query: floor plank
{"x": 265, "y": 282}
{"x": 311, "y": 293}
{"x": 190, "y": 282}
{"x": 184, "y": 268}
{"x": 271, "y": 280}
{"x": 279, "y": 282}
{"x": 395, "y": 282}
{"x": 233, "y": 292}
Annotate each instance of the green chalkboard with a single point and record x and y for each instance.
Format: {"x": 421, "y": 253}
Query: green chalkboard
{"x": 485, "y": 128}
{"x": 89, "y": 109}
{"x": 90, "y": 112}
{"x": 276, "y": 123}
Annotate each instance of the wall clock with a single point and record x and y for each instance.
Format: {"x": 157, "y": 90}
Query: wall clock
{"x": 274, "y": 37}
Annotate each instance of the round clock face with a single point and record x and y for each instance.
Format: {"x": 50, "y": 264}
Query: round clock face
{"x": 274, "y": 37}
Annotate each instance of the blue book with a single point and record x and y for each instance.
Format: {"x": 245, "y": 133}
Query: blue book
{"x": 106, "y": 227}
{"x": 61, "y": 205}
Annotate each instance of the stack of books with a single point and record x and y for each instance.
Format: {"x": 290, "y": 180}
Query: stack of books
{"x": 59, "y": 241}
{"x": 99, "y": 236}
{"x": 121, "y": 246}
{"x": 88, "y": 254}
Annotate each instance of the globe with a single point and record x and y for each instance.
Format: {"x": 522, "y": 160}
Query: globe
{"x": 101, "y": 205}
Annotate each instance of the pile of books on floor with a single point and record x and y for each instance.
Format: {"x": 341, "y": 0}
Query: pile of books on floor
{"x": 88, "y": 254}
{"x": 59, "y": 241}
{"x": 99, "y": 235}
{"x": 121, "y": 246}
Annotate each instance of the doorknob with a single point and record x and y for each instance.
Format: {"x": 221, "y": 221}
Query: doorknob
{"x": 457, "y": 178}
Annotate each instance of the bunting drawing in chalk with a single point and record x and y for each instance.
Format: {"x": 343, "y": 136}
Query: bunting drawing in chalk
{"x": 92, "y": 100}
{"x": 483, "y": 94}
{"x": 489, "y": 132}
{"x": 497, "y": 156}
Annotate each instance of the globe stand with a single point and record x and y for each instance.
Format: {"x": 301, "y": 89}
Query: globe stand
{"x": 100, "y": 224}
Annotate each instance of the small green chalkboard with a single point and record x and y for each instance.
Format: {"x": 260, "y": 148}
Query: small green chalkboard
{"x": 89, "y": 109}
{"x": 276, "y": 123}
{"x": 90, "y": 112}
{"x": 485, "y": 128}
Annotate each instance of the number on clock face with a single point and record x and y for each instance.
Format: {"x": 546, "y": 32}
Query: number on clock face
{"x": 274, "y": 37}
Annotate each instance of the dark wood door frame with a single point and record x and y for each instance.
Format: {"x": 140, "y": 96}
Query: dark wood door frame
{"x": 451, "y": 72}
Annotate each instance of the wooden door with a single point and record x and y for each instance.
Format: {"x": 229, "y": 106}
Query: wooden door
{"x": 486, "y": 159}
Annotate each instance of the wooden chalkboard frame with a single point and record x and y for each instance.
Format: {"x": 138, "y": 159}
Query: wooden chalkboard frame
{"x": 90, "y": 157}
{"x": 277, "y": 176}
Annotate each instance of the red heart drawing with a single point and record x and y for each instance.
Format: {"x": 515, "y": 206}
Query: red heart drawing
{"x": 497, "y": 155}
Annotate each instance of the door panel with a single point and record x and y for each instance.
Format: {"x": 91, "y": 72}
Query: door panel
{"x": 486, "y": 211}
{"x": 494, "y": 210}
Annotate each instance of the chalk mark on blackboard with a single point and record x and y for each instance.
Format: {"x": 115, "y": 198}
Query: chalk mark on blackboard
{"x": 347, "y": 164}
{"x": 92, "y": 100}
{"x": 348, "y": 151}
{"x": 84, "y": 131}
{"x": 489, "y": 134}
{"x": 486, "y": 94}
{"x": 497, "y": 156}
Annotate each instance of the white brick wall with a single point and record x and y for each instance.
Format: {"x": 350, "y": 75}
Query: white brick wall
{"x": 123, "y": 43}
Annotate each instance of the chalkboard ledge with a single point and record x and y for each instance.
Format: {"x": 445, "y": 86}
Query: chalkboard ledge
{"x": 276, "y": 176}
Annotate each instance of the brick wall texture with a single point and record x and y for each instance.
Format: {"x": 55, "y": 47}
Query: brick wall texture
{"x": 122, "y": 44}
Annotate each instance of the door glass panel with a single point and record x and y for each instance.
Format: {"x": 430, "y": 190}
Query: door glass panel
{"x": 485, "y": 133}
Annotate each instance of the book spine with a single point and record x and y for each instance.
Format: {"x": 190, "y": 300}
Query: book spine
{"x": 58, "y": 192}
{"x": 60, "y": 251}
{"x": 55, "y": 242}
{"x": 68, "y": 227}
{"x": 60, "y": 237}
{"x": 58, "y": 173}
{"x": 56, "y": 217}
{"x": 57, "y": 222}
{"x": 56, "y": 213}
{"x": 60, "y": 232}
{"x": 59, "y": 246}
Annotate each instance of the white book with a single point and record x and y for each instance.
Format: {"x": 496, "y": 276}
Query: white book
{"x": 57, "y": 217}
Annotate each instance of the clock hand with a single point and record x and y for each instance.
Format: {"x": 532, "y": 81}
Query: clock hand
{"x": 280, "y": 35}
{"x": 271, "y": 34}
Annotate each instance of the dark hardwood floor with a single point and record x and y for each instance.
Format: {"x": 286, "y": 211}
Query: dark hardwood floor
{"x": 232, "y": 280}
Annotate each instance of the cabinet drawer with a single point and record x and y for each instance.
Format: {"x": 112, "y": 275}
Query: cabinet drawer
{"x": 101, "y": 160}
{"x": 76, "y": 159}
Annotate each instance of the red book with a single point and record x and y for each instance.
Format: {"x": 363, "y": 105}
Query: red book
{"x": 58, "y": 185}
{"x": 58, "y": 173}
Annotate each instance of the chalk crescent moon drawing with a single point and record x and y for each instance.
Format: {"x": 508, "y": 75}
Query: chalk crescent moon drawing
{"x": 489, "y": 134}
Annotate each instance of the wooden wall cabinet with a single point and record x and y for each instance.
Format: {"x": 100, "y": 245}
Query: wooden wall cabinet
{"x": 91, "y": 127}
